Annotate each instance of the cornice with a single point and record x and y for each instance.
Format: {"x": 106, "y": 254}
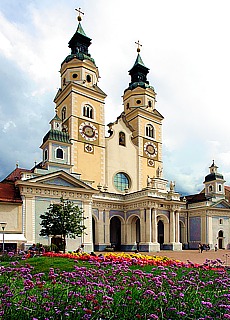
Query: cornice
{"x": 42, "y": 190}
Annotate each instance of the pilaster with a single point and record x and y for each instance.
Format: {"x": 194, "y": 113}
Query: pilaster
{"x": 87, "y": 236}
{"x": 172, "y": 226}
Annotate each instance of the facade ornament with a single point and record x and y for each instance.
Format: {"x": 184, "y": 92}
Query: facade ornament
{"x": 149, "y": 181}
{"x": 99, "y": 186}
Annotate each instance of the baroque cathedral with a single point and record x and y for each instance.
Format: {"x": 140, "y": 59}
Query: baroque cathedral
{"x": 114, "y": 173}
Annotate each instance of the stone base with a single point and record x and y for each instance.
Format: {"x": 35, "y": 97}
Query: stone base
{"x": 88, "y": 247}
{"x": 176, "y": 246}
{"x": 149, "y": 247}
{"x": 128, "y": 247}
{"x": 100, "y": 246}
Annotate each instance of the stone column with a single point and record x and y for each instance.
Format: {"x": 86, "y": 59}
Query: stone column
{"x": 148, "y": 230}
{"x": 142, "y": 225}
{"x": 174, "y": 231}
{"x": 107, "y": 227}
{"x": 154, "y": 225}
{"x": 177, "y": 227}
{"x": 100, "y": 239}
{"x": 209, "y": 231}
{"x": 87, "y": 237}
{"x": 172, "y": 227}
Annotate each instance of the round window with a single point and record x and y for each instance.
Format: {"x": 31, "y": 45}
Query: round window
{"x": 138, "y": 101}
{"x": 121, "y": 181}
{"x": 74, "y": 75}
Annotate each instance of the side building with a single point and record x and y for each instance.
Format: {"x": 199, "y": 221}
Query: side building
{"x": 205, "y": 217}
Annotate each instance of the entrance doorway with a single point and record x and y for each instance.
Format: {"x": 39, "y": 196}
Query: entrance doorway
{"x": 138, "y": 232}
{"x": 220, "y": 239}
{"x": 160, "y": 233}
{"x": 115, "y": 233}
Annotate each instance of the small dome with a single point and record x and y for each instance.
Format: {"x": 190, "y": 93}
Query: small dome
{"x": 213, "y": 176}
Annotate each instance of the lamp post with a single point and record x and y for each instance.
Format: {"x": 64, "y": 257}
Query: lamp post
{"x": 3, "y": 225}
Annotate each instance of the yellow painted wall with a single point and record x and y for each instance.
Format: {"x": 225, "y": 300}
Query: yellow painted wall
{"x": 120, "y": 158}
{"x": 12, "y": 214}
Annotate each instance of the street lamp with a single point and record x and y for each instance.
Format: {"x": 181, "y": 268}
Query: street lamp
{"x": 3, "y": 225}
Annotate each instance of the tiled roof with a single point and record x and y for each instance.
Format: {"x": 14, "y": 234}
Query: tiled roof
{"x": 15, "y": 175}
{"x": 200, "y": 197}
{"x": 9, "y": 193}
{"x": 227, "y": 188}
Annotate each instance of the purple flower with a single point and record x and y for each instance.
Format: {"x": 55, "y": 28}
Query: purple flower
{"x": 206, "y": 304}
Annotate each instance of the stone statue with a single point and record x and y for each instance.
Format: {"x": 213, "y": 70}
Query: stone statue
{"x": 159, "y": 172}
{"x": 172, "y": 185}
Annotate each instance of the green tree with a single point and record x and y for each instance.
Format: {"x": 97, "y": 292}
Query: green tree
{"x": 64, "y": 219}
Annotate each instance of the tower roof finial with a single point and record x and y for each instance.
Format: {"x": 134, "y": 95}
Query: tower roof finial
{"x": 79, "y": 14}
{"x": 138, "y": 46}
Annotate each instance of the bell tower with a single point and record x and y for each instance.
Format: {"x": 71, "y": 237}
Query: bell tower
{"x": 80, "y": 106}
{"x": 214, "y": 184}
{"x": 139, "y": 108}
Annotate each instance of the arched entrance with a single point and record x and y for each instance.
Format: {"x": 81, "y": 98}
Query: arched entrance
{"x": 115, "y": 233}
{"x": 138, "y": 232}
{"x": 220, "y": 239}
{"x": 160, "y": 233}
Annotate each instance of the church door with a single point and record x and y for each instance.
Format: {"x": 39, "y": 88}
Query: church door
{"x": 160, "y": 229}
{"x": 115, "y": 233}
{"x": 220, "y": 239}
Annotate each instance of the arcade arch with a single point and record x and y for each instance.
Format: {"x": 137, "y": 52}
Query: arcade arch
{"x": 133, "y": 230}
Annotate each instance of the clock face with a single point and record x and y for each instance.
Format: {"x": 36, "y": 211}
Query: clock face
{"x": 88, "y": 131}
{"x": 150, "y": 149}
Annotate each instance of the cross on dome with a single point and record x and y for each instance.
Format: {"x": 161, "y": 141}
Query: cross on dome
{"x": 138, "y": 46}
{"x": 79, "y": 14}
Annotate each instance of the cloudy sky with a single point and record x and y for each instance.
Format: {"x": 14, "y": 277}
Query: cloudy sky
{"x": 184, "y": 43}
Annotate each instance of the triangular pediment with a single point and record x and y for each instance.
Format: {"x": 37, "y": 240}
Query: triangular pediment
{"x": 62, "y": 179}
{"x": 158, "y": 114}
{"x": 222, "y": 204}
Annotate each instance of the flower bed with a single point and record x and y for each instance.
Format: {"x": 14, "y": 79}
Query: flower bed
{"x": 129, "y": 258}
{"x": 113, "y": 286}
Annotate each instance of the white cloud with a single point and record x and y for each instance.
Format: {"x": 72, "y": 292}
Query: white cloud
{"x": 7, "y": 126}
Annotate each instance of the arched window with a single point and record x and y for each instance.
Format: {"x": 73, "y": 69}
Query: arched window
{"x": 121, "y": 139}
{"x": 88, "y": 111}
{"x": 63, "y": 113}
{"x": 59, "y": 153}
{"x": 149, "y": 131}
{"x": 219, "y": 187}
{"x": 210, "y": 188}
{"x": 121, "y": 181}
{"x": 46, "y": 154}
{"x": 220, "y": 234}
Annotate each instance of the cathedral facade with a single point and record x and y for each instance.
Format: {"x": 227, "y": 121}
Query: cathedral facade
{"x": 114, "y": 173}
